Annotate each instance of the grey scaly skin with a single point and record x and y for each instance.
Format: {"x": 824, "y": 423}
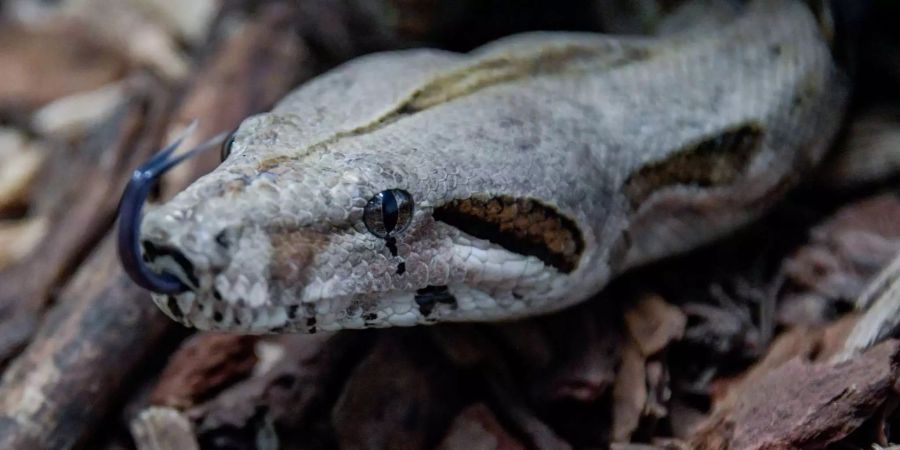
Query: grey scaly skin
{"x": 630, "y": 149}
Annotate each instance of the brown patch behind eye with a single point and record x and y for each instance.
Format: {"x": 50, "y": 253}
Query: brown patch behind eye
{"x": 712, "y": 162}
{"x": 293, "y": 252}
{"x": 520, "y": 225}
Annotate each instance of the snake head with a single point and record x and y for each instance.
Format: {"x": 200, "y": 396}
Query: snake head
{"x": 283, "y": 237}
{"x": 423, "y": 186}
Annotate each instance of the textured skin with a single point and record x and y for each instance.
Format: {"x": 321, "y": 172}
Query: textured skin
{"x": 276, "y": 231}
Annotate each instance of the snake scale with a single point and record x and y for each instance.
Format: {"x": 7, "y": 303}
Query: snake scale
{"x": 424, "y": 186}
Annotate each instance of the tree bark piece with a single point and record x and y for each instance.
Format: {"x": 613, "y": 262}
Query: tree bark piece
{"x": 202, "y": 367}
{"x": 641, "y": 393}
{"x": 61, "y": 388}
{"x": 291, "y": 390}
{"x": 806, "y": 405}
{"x": 844, "y": 255}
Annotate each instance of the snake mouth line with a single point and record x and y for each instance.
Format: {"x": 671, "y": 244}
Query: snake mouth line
{"x": 153, "y": 252}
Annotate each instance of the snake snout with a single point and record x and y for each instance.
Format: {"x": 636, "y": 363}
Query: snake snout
{"x": 129, "y": 231}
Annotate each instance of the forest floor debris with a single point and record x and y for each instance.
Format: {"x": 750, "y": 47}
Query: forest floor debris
{"x": 731, "y": 346}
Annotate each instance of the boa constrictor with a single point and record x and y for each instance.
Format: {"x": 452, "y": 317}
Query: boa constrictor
{"x": 424, "y": 186}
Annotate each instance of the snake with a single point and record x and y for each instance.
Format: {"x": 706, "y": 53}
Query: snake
{"x": 423, "y": 186}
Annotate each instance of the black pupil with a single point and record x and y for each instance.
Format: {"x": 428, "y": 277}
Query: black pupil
{"x": 390, "y": 212}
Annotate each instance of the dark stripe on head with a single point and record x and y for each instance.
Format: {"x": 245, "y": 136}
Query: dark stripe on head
{"x": 520, "y": 225}
{"x": 716, "y": 161}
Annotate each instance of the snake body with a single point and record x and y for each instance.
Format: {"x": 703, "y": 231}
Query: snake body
{"x": 424, "y": 186}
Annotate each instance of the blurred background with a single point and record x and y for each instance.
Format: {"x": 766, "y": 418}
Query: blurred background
{"x": 681, "y": 354}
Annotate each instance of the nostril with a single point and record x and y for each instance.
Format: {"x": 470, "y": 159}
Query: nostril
{"x": 222, "y": 239}
{"x": 153, "y": 251}
{"x": 150, "y": 252}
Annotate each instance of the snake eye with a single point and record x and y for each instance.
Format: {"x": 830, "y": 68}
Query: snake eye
{"x": 388, "y": 212}
{"x": 226, "y": 147}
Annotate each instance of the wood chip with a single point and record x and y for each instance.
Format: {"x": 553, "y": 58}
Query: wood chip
{"x": 203, "y": 366}
{"x": 20, "y": 163}
{"x": 845, "y": 252}
{"x": 806, "y": 405}
{"x": 68, "y": 117}
{"x": 159, "y": 428}
{"x": 641, "y": 393}
{"x": 18, "y": 238}
{"x": 808, "y": 344}
{"x": 880, "y": 303}
{"x": 654, "y": 324}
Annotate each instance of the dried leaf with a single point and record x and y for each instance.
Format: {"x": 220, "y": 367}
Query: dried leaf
{"x": 654, "y": 324}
